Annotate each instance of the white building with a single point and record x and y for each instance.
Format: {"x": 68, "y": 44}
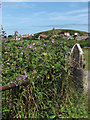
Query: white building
{"x": 67, "y": 33}
{"x": 76, "y": 33}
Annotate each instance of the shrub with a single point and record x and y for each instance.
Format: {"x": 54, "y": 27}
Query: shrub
{"x": 9, "y": 36}
{"x": 44, "y": 63}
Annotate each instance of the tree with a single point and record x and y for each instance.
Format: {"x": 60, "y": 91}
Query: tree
{"x": 75, "y": 36}
{"x": 53, "y": 29}
{"x": 10, "y": 36}
{"x": 2, "y": 32}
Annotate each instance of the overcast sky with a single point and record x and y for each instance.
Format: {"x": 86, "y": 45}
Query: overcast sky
{"x": 32, "y": 17}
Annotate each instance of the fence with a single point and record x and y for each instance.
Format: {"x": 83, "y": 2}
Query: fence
{"x": 9, "y": 93}
{"x": 12, "y": 91}
{"x": 78, "y": 63}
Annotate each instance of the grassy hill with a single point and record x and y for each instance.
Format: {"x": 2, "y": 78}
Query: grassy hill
{"x": 71, "y": 42}
{"x": 58, "y": 31}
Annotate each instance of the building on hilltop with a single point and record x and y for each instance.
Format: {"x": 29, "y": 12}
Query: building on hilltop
{"x": 76, "y": 33}
{"x": 67, "y": 33}
{"x": 23, "y": 36}
{"x": 43, "y": 35}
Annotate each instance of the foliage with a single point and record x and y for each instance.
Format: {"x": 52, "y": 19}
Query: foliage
{"x": 10, "y": 36}
{"x": 2, "y": 33}
{"x": 60, "y": 31}
{"x": 82, "y": 43}
{"x": 21, "y": 56}
{"x": 49, "y": 94}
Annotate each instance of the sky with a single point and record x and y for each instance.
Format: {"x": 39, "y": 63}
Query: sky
{"x": 34, "y": 17}
{"x": 45, "y": 0}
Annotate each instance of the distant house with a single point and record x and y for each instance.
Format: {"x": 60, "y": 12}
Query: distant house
{"x": 29, "y": 35}
{"x": 75, "y": 33}
{"x": 20, "y": 35}
{"x": 43, "y": 35}
{"x": 18, "y": 38}
{"x": 24, "y": 35}
{"x": 67, "y": 33}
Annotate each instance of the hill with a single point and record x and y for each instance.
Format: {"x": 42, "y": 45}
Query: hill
{"x": 58, "y": 31}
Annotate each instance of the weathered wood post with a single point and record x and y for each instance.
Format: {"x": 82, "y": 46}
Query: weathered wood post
{"x": 77, "y": 63}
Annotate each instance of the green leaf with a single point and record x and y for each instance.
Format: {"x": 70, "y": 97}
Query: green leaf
{"x": 6, "y": 110}
{"x": 52, "y": 116}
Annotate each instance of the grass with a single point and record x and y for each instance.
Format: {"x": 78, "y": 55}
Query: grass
{"x": 87, "y": 58}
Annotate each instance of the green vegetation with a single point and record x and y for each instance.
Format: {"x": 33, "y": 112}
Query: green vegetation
{"x": 2, "y": 32}
{"x": 87, "y": 58}
{"x": 60, "y": 31}
{"x": 82, "y": 43}
{"x": 49, "y": 94}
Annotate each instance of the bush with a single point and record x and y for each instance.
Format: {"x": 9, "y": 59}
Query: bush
{"x": 44, "y": 63}
{"x": 42, "y": 57}
{"x": 10, "y": 36}
{"x": 83, "y": 43}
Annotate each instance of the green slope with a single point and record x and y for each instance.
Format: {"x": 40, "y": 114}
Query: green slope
{"x": 58, "y": 31}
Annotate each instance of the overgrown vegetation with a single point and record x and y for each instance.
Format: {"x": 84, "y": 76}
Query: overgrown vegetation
{"x": 49, "y": 94}
{"x": 83, "y": 43}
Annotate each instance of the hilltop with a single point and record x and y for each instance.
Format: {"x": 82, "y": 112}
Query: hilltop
{"x": 82, "y": 37}
{"x": 58, "y": 31}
